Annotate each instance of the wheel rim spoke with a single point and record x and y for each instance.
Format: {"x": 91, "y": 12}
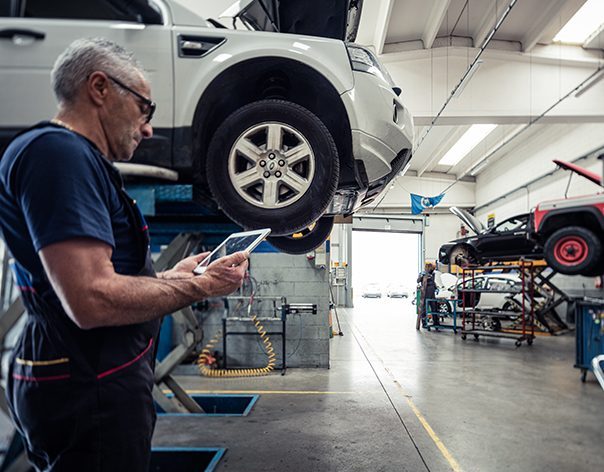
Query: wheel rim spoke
{"x": 249, "y": 177}
{"x": 297, "y": 154}
{"x": 295, "y": 182}
{"x": 274, "y": 137}
{"x": 248, "y": 149}
{"x": 270, "y": 195}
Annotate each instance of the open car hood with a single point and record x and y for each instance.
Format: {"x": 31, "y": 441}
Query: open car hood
{"x": 337, "y": 19}
{"x": 592, "y": 176}
{"x": 470, "y": 220}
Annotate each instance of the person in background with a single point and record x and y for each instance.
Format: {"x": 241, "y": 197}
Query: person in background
{"x": 427, "y": 287}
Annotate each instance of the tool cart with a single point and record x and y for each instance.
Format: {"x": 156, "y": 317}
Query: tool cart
{"x": 480, "y": 322}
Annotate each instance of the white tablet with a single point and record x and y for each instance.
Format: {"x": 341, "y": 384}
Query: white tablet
{"x": 245, "y": 241}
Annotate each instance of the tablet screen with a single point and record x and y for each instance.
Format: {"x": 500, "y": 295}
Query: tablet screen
{"x": 245, "y": 241}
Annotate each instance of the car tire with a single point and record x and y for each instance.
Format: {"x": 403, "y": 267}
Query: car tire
{"x": 573, "y": 250}
{"x": 254, "y": 180}
{"x": 306, "y": 240}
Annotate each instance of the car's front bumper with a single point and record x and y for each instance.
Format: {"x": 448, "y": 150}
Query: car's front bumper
{"x": 381, "y": 125}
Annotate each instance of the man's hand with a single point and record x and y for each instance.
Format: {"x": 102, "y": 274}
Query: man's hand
{"x": 184, "y": 269}
{"x": 225, "y": 275}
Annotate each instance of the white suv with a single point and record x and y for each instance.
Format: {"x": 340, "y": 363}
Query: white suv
{"x": 285, "y": 130}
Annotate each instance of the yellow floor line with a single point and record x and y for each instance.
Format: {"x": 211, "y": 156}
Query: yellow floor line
{"x": 274, "y": 392}
{"x": 441, "y": 447}
{"x": 444, "y": 451}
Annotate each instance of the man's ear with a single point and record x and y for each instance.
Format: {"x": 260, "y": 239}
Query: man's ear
{"x": 97, "y": 87}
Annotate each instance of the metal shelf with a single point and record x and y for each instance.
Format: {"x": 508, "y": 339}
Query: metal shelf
{"x": 494, "y": 314}
{"x": 476, "y": 290}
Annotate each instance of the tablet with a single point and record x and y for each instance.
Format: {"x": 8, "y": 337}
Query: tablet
{"x": 245, "y": 241}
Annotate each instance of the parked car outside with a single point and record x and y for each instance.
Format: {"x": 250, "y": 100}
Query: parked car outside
{"x": 509, "y": 240}
{"x": 285, "y": 130}
{"x": 397, "y": 291}
{"x": 372, "y": 290}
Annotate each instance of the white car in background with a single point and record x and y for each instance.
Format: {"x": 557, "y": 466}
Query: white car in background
{"x": 372, "y": 290}
{"x": 285, "y": 130}
{"x": 397, "y": 291}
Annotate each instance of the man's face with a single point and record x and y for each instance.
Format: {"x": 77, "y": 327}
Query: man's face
{"x": 127, "y": 124}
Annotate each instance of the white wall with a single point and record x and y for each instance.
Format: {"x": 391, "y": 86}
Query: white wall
{"x": 533, "y": 160}
{"x": 428, "y": 185}
{"x": 443, "y": 228}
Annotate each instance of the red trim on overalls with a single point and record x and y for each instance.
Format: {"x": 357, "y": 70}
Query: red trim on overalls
{"x": 123, "y": 366}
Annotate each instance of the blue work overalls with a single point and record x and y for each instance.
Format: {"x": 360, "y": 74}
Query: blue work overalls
{"x": 82, "y": 398}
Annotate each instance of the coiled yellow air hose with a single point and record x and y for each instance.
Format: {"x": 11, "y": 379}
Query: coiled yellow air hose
{"x": 205, "y": 358}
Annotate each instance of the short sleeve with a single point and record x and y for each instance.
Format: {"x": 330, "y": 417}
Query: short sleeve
{"x": 61, "y": 191}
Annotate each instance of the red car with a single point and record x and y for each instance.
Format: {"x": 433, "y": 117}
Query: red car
{"x": 571, "y": 230}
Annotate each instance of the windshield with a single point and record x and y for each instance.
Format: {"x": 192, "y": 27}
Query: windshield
{"x": 516, "y": 223}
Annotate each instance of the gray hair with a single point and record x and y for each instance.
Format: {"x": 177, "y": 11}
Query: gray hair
{"x": 85, "y": 56}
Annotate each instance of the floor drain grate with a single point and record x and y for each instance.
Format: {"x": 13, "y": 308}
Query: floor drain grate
{"x": 219, "y": 405}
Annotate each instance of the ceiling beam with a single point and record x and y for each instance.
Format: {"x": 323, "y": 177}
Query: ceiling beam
{"x": 381, "y": 25}
{"x": 435, "y": 19}
{"x": 549, "y": 15}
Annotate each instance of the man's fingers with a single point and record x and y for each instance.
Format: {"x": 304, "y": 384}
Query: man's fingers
{"x": 201, "y": 256}
{"x": 234, "y": 259}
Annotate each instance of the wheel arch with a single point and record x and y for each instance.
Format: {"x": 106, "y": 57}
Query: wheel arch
{"x": 588, "y": 218}
{"x": 262, "y": 78}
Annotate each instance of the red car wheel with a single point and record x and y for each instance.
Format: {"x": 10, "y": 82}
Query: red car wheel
{"x": 574, "y": 250}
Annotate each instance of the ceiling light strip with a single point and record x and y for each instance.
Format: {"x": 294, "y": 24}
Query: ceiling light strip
{"x": 534, "y": 120}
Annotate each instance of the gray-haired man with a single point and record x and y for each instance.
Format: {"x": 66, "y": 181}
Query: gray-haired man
{"x": 82, "y": 372}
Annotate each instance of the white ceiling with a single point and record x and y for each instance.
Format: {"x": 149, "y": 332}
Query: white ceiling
{"x": 428, "y": 45}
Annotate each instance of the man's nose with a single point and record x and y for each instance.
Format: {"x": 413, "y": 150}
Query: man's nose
{"x": 147, "y": 131}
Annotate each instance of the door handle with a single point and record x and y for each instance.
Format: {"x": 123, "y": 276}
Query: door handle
{"x": 19, "y": 36}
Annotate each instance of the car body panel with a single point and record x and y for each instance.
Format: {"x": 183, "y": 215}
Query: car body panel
{"x": 510, "y": 239}
{"x": 381, "y": 127}
{"x": 592, "y": 176}
{"x": 470, "y": 220}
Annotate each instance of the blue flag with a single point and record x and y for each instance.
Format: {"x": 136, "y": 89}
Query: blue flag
{"x": 419, "y": 203}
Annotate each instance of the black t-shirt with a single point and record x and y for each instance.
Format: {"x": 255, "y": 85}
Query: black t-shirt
{"x": 54, "y": 186}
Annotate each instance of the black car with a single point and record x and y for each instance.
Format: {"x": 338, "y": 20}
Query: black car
{"x": 509, "y": 240}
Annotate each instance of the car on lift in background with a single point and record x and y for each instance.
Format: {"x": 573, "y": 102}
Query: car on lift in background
{"x": 567, "y": 232}
{"x": 284, "y": 124}
{"x": 571, "y": 230}
{"x": 509, "y": 240}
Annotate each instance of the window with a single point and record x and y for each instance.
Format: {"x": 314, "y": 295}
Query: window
{"x": 501, "y": 284}
{"x": 513, "y": 224}
{"x": 140, "y": 11}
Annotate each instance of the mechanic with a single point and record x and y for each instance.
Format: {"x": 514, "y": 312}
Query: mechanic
{"x": 81, "y": 374}
{"x": 427, "y": 287}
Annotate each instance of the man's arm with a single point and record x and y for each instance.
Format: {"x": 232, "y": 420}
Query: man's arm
{"x": 94, "y": 295}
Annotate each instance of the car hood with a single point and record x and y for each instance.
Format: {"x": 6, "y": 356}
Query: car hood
{"x": 468, "y": 219}
{"x": 592, "y": 176}
{"x": 337, "y": 19}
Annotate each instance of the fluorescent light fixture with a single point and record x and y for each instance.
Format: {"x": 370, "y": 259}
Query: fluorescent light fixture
{"x": 467, "y": 78}
{"x": 466, "y": 143}
{"x": 580, "y": 27}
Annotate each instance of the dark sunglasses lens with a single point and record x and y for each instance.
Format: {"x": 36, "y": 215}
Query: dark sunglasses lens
{"x": 151, "y": 112}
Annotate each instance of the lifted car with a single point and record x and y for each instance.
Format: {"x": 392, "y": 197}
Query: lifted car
{"x": 572, "y": 229}
{"x": 285, "y": 130}
{"x": 509, "y": 240}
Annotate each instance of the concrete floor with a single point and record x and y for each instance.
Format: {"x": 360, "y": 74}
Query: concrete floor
{"x": 400, "y": 400}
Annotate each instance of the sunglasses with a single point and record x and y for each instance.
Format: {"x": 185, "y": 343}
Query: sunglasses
{"x": 149, "y": 104}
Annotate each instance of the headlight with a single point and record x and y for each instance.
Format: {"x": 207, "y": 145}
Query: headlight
{"x": 363, "y": 59}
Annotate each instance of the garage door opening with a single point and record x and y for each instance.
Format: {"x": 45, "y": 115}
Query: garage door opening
{"x": 385, "y": 264}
